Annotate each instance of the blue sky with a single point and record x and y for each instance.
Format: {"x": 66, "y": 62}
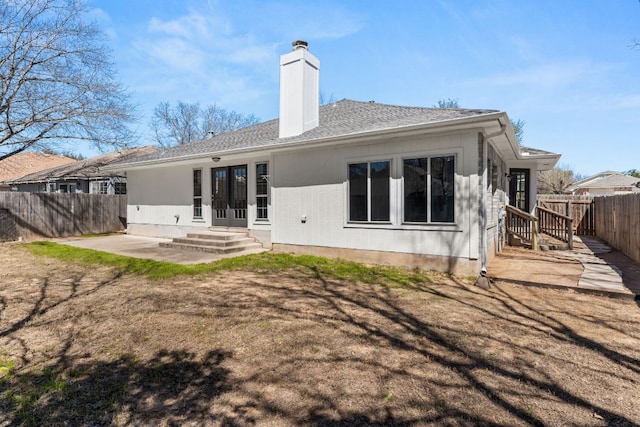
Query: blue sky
{"x": 566, "y": 67}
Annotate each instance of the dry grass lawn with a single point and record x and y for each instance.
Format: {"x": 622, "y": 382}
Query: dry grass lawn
{"x": 88, "y": 346}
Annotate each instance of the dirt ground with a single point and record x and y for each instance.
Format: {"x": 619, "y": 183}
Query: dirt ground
{"x": 92, "y": 347}
{"x": 555, "y": 268}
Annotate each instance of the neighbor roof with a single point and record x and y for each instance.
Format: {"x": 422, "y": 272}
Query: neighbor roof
{"x": 339, "y": 119}
{"x": 607, "y": 179}
{"x": 85, "y": 169}
{"x": 25, "y": 163}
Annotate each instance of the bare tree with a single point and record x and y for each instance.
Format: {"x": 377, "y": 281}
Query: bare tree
{"x": 632, "y": 172}
{"x": 216, "y": 120}
{"x": 447, "y": 103}
{"x": 518, "y": 125}
{"x": 326, "y": 101}
{"x": 57, "y": 82}
{"x": 518, "y": 129}
{"x": 556, "y": 180}
{"x": 186, "y": 122}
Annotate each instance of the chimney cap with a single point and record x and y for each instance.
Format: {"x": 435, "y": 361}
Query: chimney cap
{"x": 299, "y": 44}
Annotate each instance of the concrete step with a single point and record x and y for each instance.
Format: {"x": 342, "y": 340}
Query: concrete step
{"x": 219, "y": 235}
{"x": 244, "y": 247}
{"x": 199, "y": 241}
{"x": 236, "y": 241}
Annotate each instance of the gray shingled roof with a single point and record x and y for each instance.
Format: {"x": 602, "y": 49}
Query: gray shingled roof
{"x": 609, "y": 180}
{"x": 85, "y": 169}
{"x": 342, "y": 118}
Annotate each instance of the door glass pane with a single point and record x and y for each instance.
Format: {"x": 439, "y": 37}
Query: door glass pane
{"x": 521, "y": 187}
{"x": 220, "y": 192}
{"x": 239, "y": 190}
{"x": 442, "y": 189}
{"x": 415, "y": 190}
{"x": 380, "y": 173}
{"x": 358, "y": 192}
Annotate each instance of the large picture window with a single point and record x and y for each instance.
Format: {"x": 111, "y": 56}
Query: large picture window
{"x": 429, "y": 189}
{"x": 262, "y": 191}
{"x": 369, "y": 191}
{"x": 197, "y": 193}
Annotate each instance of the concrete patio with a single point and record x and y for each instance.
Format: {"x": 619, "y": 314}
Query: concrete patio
{"x": 143, "y": 247}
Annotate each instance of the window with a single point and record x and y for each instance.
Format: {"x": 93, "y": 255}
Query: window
{"x": 120, "y": 188}
{"x": 369, "y": 191}
{"x": 415, "y": 190}
{"x": 262, "y": 189}
{"x": 442, "y": 189}
{"x": 99, "y": 187}
{"x": 197, "y": 193}
{"x": 429, "y": 189}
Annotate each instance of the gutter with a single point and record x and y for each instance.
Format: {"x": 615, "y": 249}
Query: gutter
{"x": 483, "y": 202}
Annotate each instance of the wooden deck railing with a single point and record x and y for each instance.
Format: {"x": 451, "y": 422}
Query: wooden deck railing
{"x": 555, "y": 225}
{"x": 523, "y": 225}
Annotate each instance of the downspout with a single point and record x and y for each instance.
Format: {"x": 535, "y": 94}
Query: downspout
{"x": 485, "y": 237}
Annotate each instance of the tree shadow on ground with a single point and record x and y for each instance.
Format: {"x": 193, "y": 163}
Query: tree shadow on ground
{"x": 440, "y": 346}
{"x": 447, "y": 377}
{"x": 171, "y": 386}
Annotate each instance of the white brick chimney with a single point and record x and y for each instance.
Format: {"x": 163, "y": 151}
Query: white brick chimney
{"x": 299, "y": 90}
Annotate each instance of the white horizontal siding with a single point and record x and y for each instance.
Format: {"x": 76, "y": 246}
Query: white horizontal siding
{"x": 312, "y": 184}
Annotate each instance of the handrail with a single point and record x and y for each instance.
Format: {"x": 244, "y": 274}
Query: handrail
{"x": 522, "y": 224}
{"x": 556, "y": 225}
{"x": 559, "y": 215}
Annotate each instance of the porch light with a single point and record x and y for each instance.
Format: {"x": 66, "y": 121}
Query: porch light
{"x": 216, "y": 159}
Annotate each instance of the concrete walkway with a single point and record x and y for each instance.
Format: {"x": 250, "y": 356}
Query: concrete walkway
{"x": 598, "y": 275}
{"x": 144, "y": 247}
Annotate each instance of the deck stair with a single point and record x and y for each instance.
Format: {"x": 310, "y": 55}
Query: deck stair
{"x": 217, "y": 242}
{"x": 549, "y": 231}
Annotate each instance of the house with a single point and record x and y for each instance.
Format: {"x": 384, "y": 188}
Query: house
{"x": 27, "y": 162}
{"x": 377, "y": 183}
{"x": 81, "y": 176}
{"x": 607, "y": 183}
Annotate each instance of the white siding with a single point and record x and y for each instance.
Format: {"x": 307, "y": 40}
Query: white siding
{"x": 164, "y": 196}
{"x": 313, "y": 184}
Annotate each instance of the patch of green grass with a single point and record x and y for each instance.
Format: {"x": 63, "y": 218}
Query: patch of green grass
{"x": 265, "y": 262}
{"x": 25, "y": 395}
{"x": 7, "y": 366}
{"x": 88, "y": 235}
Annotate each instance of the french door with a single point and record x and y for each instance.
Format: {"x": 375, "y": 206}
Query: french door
{"x": 229, "y": 196}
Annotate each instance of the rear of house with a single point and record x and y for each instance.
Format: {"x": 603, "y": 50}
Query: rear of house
{"x": 418, "y": 187}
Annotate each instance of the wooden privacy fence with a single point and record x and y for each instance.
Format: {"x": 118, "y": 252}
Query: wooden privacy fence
{"x": 579, "y": 208}
{"x": 618, "y": 222}
{"x": 36, "y": 215}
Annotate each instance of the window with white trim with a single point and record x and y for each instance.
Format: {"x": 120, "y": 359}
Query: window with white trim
{"x": 197, "y": 193}
{"x": 369, "y": 191}
{"x": 262, "y": 191}
{"x": 429, "y": 189}
{"x": 99, "y": 187}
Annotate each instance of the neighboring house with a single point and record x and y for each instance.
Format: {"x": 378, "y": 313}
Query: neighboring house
{"x": 419, "y": 187}
{"x": 81, "y": 176}
{"x": 27, "y": 162}
{"x": 606, "y": 183}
